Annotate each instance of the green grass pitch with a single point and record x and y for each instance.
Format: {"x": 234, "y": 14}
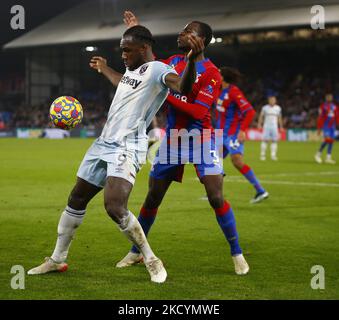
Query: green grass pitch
{"x": 282, "y": 238}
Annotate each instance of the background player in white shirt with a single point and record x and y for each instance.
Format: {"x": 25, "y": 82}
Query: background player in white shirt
{"x": 113, "y": 160}
{"x": 271, "y": 117}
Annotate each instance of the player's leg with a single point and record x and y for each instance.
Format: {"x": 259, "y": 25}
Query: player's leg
{"x": 91, "y": 179}
{"x": 248, "y": 173}
{"x": 157, "y": 189}
{"x": 161, "y": 177}
{"x": 263, "y": 146}
{"x": 274, "y": 143}
{"x": 274, "y": 150}
{"x": 323, "y": 145}
{"x": 116, "y": 194}
{"x": 70, "y": 220}
{"x": 330, "y": 140}
{"x": 225, "y": 218}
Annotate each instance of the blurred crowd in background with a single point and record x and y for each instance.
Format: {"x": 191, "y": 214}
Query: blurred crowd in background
{"x": 299, "y": 95}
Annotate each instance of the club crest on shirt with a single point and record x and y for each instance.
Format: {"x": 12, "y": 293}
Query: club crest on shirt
{"x": 143, "y": 69}
{"x": 209, "y": 89}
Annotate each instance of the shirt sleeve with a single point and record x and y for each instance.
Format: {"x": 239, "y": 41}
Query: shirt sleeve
{"x": 160, "y": 72}
{"x": 321, "y": 117}
{"x": 246, "y": 109}
{"x": 165, "y": 61}
{"x": 238, "y": 97}
{"x": 337, "y": 115}
{"x": 210, "y": 88}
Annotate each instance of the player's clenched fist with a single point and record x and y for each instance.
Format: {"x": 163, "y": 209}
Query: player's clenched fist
{"x": 197, "y": 46}
{"x": 98, "y": 63}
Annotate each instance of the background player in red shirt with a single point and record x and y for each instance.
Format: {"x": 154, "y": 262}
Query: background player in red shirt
{"x": 327, "y": 120}
{"x": 191, "y": 113}
{"x": 234, "y": 114}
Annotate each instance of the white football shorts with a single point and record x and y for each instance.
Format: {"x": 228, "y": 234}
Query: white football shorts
{"x": 270, "y": 134}
{"x": 104, "y": 160}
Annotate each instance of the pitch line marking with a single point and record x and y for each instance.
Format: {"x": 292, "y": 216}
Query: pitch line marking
{"x": 291, "y": 183}
{"x": 327, "y": 173}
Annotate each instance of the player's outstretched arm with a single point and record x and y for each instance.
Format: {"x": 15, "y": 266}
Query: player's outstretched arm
{"x": 130, "y": 19}
{"x": 184, "y": 85}
{"x": 100, "y": 64}
{"x": 281, "y": 124}
{"x": 321, "y": 119}
{"x": 260, "y": 120}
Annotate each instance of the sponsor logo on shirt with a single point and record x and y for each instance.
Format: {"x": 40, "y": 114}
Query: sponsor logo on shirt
{"x": 209, "y": 89}
{"x": 134, "y": 83}
{"x": 206, "y": 94}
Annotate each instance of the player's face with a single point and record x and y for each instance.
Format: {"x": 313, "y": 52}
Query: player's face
{"x": 329, "y": 98}
{"x": 133, "y": 53}
{"x": 183, "y": 43}
{"x": 224, "y": 84}
{"x": 272, "y": 101}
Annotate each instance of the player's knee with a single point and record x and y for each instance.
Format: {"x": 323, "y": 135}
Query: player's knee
{"x": 237, "y": 162}
{"x": 216, "y": 201}
{"x": 115, "y": 211}
{"x": 77, "y": 201}
{"x": 153, "y": 199}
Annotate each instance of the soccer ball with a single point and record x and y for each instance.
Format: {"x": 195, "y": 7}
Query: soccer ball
{"x": 66, "y": 112}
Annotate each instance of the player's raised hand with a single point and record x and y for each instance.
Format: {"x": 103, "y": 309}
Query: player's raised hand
{"x": 130, "y": 19}
{"x": 241, "y": 136}
{"x": 98, "y": 63}
{"x": 197, "y": 46}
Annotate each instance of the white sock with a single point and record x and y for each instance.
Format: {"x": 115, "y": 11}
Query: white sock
{"x": 274, "y": 149}
{"x": 70, "y": 219}
{"x": 133, "y": 231}
{"x": 263, "y": 148}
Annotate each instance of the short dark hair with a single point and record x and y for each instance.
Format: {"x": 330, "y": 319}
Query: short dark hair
{"x": 141, "y": 34}
{"x": 231, "y": 75}
{"x": 205, "y": 31}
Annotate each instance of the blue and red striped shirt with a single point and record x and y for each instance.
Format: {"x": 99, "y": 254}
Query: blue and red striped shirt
{"x": 328, "y": 116}
{"x": 199, "y": 101}
{"x": 233, "y": 111}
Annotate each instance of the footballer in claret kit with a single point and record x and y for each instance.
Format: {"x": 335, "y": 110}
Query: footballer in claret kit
{"x": 114, "y": 159}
